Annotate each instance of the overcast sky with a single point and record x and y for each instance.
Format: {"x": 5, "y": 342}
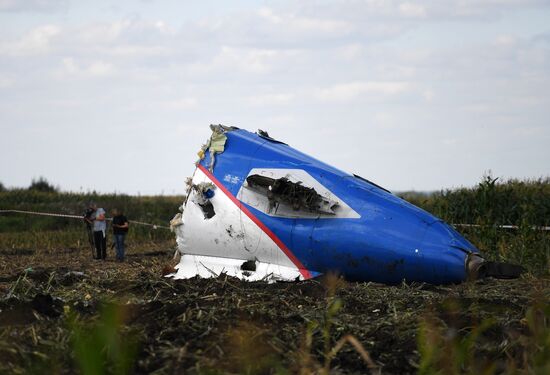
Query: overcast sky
{"x": 424, "y": 95}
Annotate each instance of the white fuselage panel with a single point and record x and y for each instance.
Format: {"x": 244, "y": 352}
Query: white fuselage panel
{"x": 226, "y": 240}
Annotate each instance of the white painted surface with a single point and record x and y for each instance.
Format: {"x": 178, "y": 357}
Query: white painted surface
{"x": 225, "y": 241}
{"x": 206, "y": 267}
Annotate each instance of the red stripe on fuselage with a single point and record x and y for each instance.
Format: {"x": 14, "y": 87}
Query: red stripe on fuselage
{"x": 305, "y": 273}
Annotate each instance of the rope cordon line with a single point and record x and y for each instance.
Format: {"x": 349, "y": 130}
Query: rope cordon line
{"x": 534, "y": 227}
{"x": 154, "y": 226}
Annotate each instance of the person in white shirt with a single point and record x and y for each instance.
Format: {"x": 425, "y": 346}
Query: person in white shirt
{"x": 100, "y": 232}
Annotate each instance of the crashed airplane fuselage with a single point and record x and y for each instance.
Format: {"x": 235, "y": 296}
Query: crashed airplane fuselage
{"x": 258, "y": 209}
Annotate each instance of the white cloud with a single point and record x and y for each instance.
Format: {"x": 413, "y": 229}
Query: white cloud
{"x": 412, "y": 10}
{"x": 231, "y": 60}
{"x": 396, "y": 69}
{"x": 129, "y": 51}
{"x": 296, "y": 23}
{"x": 268, "y": 100}
{"x": 488, "y": 8}
{"x": 505, "y": 40}
{"x": 70, "y": 65}
{"x": 181, "y": 104}
{"x": 100, "y": 69}
{"x": 428, "y": 95}
{"x": 35, "y": 42}
{"x": 5, "y": 82}
{"x": 351, "y": 90}
{"x": 32, "y": 5}
{"x": 91, "y": 69}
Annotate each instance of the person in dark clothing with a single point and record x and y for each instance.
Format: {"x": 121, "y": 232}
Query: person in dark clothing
{"x": 88, "y": 220}
{"x": 120, "y": 229}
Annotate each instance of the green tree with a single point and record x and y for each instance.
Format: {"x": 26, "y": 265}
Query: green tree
{"x": 41, "y": 184}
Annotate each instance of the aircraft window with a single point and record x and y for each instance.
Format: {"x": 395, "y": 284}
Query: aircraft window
{"x": 291, "y": 193}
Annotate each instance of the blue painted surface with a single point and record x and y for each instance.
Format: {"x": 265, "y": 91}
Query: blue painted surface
{"x": 393, "y": 240}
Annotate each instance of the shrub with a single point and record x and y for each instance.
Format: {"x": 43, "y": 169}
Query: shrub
{"x": 41, "y": 184}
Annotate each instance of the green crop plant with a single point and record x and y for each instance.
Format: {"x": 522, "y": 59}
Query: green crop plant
{"x": 308, "y": 365}
{"x": 446, "y": 348}
{"x": 447, "y": 351}
{"x": 103, "y": 346}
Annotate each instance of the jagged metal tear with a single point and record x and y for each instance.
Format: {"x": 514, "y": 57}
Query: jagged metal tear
{"x": 223, "y": 243}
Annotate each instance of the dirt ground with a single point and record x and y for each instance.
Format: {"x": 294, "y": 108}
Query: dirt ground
{"x": 223, "y": 325}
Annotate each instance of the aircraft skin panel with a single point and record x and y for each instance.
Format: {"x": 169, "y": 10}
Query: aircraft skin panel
{"x": 207, "y": 266}
{"x": 232, "y": 233}
{"x": 380, "y": 237}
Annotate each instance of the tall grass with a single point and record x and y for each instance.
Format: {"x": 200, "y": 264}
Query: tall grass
{"x": 452, "y": 351}
{"x": 19, "y": 231}
{"x": 103, "y": 346}
{"x": 151, "y": 209}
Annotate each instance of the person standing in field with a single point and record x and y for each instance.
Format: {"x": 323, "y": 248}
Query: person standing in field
{"x": 100, "y": 232}
{"x": 120, "y": 229}
{"x": 90, "y": 227}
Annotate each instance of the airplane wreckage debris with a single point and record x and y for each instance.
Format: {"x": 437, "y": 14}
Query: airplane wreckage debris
{"x": 258, "y": 209}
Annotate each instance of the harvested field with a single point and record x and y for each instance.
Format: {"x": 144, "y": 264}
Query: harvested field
{"x": 63, "y": 311}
